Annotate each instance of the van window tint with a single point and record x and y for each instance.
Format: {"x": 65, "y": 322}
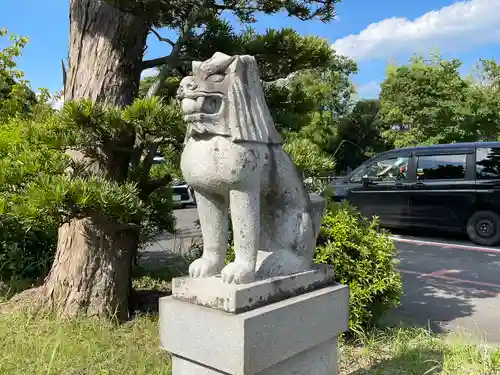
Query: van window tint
{"x": 390, "y": 169}
{"x": 488, "y": 163}
{"x": 441, "y": 167}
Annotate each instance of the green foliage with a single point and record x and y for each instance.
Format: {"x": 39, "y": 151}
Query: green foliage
{"x": 162, "y": 13}
{"x": 434, "y": 93}
{"x": 41, "y": 186}
{"x": 306, "y": 84}
{"x": 428, "y": 101}
{"x": 358, "y": 136}
{"x": 362, "y": 257}
{"x": 168, "y": 90}
{"x": 65, "y": 197}
{"x": 27, "y": 234}
{"x": 308, "y": 156}
{"x": 280, "y": 53}
{"x": 482, "y": 109}
{"x": 144, "y": 197}
{"x": 311, "y": 100}
{"x": 15, "y": 95}
{"x": 203, "y": 29}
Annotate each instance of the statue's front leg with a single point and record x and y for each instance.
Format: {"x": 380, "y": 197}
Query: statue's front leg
{"x": 245, "y": 216}
{"x": 213, "y": 214}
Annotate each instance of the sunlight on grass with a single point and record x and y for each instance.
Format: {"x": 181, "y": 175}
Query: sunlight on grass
{"x": 416, "y": 352}
{"x": 82, "y": 346}
{"x": 86, "y": 346}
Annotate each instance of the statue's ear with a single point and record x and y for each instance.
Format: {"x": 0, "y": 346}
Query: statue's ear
{"x": 196, "y": 65}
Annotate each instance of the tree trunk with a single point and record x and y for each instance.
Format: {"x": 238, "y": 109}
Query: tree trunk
{"x": 105, "y": 53}
{"x": 92, "y": 268}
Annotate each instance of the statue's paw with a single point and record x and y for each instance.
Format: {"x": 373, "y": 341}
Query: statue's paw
{"x": 203, "y": 267}
{"x": 238, "y": 273}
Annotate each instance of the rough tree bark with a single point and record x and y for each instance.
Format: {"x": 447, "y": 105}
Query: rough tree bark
{"x": 105, "y": 53}
{"x": 91, "y": 271}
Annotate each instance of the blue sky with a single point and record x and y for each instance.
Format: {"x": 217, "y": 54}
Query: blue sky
{"x": 372, "y": 33}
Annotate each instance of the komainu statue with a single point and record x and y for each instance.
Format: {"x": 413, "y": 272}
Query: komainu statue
{"x": 234, "y": 160}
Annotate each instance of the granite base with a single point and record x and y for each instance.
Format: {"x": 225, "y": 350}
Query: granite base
{"x": 297, "y": 335}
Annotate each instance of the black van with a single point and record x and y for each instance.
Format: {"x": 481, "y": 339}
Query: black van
{"x": 450, "y": 187}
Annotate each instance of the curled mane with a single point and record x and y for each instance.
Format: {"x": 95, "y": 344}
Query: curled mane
{"x": 248, "y": 114}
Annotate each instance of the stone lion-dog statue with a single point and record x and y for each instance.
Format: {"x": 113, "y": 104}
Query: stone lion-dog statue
{"x": 234, "y": 160}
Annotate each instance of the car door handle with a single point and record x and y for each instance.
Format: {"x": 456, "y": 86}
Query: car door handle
{"x": 418, "y": 185}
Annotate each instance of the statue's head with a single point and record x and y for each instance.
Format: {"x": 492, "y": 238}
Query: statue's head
{"x": 224, "y": 96}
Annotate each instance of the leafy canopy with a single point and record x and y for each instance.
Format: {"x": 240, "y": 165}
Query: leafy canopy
{"x": 358, "y": 136}
{"x": 428, "y": 101}
{"x": 15, "y": 95}
{"x": 174, "y": 13}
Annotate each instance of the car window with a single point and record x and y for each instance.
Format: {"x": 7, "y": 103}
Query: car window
{"x": 358, "y": 175}
{"x": 441, "y": 167}
{"x": 390, "y": 169}
{"x": 488, "y": 163}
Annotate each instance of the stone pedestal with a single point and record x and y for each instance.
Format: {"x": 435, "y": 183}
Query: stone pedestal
{"x": 292, "y": 329}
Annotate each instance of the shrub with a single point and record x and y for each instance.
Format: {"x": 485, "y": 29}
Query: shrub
{"x": 27, "y": 236}
{"x": 362, "y": 257}
{"x": 41, "y": 187}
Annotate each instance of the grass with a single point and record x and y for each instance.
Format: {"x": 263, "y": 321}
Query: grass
{"x": 87, "y": 347}
{"x": 46, "y": 346}
{"x": 79, "y": 347}
{"x": 416, "y": 351}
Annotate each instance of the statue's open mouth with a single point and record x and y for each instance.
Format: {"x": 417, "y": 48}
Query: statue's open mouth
{"x": 201, "y": 106}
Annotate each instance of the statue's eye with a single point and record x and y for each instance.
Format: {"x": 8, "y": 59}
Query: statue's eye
{"x": 216, "y": 78}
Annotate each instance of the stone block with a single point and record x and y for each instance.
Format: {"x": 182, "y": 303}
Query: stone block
{"x": 297, "y": 335}
{"x": 236, "y": 298}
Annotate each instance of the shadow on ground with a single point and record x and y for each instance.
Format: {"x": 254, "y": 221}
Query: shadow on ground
{"x": 428, "y": 304}
{"x": 443, "y": 284}
{"x": 417, "y": 361}
{"x": 151, "y": 279}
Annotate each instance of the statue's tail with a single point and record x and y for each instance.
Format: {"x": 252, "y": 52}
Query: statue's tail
{"x": 317, "y": 210}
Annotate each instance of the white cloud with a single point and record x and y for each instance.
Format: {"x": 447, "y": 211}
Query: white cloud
{"x": 151, "y": 72}
{"x": 461, "y": 25}
{"x": 368, "y": 90}
{"x": 56, "y": 100}
{"x": 57, "y": 103}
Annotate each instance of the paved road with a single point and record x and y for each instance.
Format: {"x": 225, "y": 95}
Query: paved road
{"x": 181, "y": 241}
{"x": 448, "y": 285}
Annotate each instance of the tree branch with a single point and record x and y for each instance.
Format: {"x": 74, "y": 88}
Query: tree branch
{"x": 148, "y": 162}
{"x": 159, "y": 182}
{"x": 153, "y": 63}
{"x": 164, "y": 60}
{"x": 280, "y": 82}
{"x": 176, "y": 49}
{"x": 160, "y": 38}
{"x": 232, "y": 8}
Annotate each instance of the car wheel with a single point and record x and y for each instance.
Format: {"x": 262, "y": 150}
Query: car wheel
{"x": 483, "y": 228}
